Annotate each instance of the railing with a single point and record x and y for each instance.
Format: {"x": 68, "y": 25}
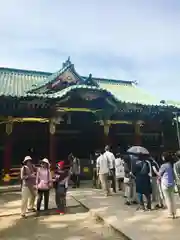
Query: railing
{"x": 13, "y": 175}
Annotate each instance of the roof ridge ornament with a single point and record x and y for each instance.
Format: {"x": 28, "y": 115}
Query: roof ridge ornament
{"x": 67, "y": 63}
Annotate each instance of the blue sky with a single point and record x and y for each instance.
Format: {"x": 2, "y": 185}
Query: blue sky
{"x": 123, "y": 39}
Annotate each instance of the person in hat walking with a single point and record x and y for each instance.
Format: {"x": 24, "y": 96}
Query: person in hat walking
{"x": 43, "y": 184}
{"x": 60, "y": 184}
{"x": 28, "y": 177}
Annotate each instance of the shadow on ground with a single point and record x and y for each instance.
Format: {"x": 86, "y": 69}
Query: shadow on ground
{"x": 10, "y": 196}
{"x": 135, "y": 224}
{"x": 75, "y": 225}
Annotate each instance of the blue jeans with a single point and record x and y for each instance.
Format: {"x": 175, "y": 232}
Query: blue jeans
{"x": 141, "y": 201}
{"x": 60, "y": 197}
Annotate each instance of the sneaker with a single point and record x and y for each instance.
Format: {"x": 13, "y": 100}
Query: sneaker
{"x": 148, "y": 209}
{"x": 23, "y": 216}
{"x": 141, "y": 208}
{"x": 37, "y": 214}
{"x": 172, "y": 216}
{"x": 60, "y": 212}
{"x": 32, "y": 210}
{"x": 127, "y": 203}
{"x": 107, "y": 194}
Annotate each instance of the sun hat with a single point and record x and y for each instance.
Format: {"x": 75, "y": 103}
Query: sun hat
{"x": 27, "y": 158}
{"x": 45, "y": 160}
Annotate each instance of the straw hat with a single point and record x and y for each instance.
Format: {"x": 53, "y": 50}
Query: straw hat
{"x": 45, "y": 160}
{"x": 27, "y": 158}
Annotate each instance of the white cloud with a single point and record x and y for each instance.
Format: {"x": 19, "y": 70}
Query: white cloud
{"x": 39, "y": 34}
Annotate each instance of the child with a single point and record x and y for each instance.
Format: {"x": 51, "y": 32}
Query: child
{"x": 60, "y": 180}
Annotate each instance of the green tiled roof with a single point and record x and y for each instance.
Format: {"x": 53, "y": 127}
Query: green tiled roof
{"x": 129, "y": 93}
{"x": 173, "y": 103}
{"x": 65, "y": 91}
{"x": 15, "y": 82}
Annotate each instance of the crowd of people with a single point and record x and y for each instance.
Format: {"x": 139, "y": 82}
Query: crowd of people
{"x": 37, "y": 182}
{"x": 140, "y": 177}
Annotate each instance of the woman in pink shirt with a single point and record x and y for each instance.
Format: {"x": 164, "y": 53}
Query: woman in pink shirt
{"x": 43, "y": 183}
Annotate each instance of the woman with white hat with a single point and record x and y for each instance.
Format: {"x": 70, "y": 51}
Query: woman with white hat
{"x": 43, "y": 183}
{"x": 28, "y": 176}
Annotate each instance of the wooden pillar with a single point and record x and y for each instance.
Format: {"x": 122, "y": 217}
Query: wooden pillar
{"x": 138, "y": 136}
{"x": 52, "y": 143}
{"x": 7, "y": 156}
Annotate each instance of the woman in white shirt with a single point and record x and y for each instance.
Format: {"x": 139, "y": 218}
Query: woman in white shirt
{"x": 119, "y": 171}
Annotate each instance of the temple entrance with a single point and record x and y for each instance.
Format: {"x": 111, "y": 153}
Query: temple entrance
{"x": 80, "y": 143}
{"x": 122, "y": 136}
{"x": 81, "y": 137}
{"x": 30, "y": 139}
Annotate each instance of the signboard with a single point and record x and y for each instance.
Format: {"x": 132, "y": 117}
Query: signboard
{"x": 85, "y": 169}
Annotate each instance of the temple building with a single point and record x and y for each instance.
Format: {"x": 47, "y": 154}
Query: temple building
{"x": 53, "y": 114}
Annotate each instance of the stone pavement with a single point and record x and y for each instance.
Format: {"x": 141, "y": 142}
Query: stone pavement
{"x": 9, "y": 188}
{"x": 10, "y": 203}
{"x": 134, "y": 224}
{"x": 77, "y": 224}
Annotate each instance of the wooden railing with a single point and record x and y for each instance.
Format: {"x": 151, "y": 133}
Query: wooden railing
{"x": 13, "y": 175}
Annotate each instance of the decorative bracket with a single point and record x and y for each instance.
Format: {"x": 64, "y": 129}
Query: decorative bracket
{"x": 106, "y": 124}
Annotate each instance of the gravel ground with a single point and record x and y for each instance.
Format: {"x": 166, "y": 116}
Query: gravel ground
{"x": 77, "y": 224}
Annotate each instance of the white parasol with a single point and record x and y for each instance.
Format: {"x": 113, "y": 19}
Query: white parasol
{"x": 138, "y": 150}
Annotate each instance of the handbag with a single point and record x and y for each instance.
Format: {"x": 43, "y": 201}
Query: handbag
{"x": 42, "y": 185}
{"x": 126, "y": 180}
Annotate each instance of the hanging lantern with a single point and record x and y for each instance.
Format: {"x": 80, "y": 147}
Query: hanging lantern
{"x": 138, "y": 126}
{"x": 9, "y": 126}
{"x": 140, "y": 123}
{"x": 52, "y": 127}
{"x": 106, "y": 127}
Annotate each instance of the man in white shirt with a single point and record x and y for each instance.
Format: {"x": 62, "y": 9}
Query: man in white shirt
{"x": 111, "y": 158}
{"x": 102, "y": 166}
